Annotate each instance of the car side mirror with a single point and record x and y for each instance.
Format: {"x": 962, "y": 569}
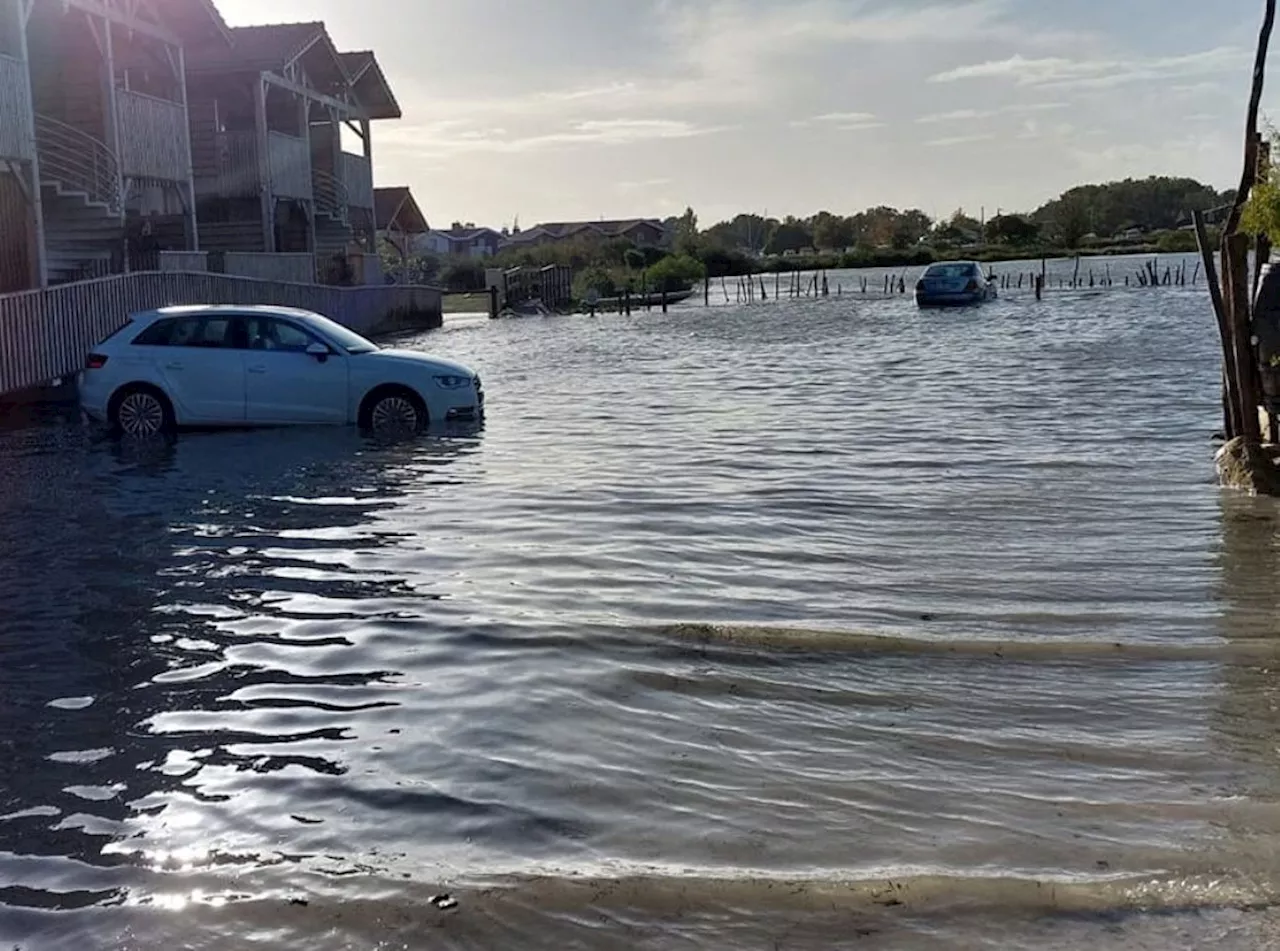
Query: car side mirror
{"x": 319, "y": 351}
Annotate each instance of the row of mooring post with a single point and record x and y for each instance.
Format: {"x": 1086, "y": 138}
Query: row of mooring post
{"x": 800, "y": 284}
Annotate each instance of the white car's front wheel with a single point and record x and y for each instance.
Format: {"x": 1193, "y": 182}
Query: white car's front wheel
{"x": 141, "y": 412}
{"x": 394, "y": 411}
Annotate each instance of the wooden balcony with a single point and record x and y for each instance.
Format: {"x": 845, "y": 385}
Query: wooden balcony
{"x": 357, "y": 176}
{"x": 15, "y": 106}
{"x": 230, "y": 168}
{"x": 153, "y": 138}
{"x": 290, "y": 161}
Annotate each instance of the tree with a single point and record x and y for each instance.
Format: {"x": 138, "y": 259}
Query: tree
{"x": 1013, "y": 230}
{"x": 831, "y": 232}
{"x": 676, "y": 273}
{"x": 686, "y": 232}
{"x": 789, "y": 235}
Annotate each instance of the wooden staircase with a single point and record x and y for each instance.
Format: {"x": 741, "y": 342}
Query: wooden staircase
{"x": 80, "y": 190}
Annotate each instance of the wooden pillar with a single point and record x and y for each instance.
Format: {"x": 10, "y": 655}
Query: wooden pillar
{"x": 1235, "y": 255}
{"x": 265, "y": 193}
{"x": 193, "y": 223}
{"x": 38, "y": 257}
{"x": 1230, "y": 389}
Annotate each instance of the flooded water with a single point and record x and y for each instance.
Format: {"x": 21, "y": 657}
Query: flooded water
{"x": 813, "y": 624}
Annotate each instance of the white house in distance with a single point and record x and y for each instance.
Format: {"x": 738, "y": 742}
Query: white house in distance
{"x": 461, "y": 240}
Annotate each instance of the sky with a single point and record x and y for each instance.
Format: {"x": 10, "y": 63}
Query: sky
{"x": 553, "y": 110}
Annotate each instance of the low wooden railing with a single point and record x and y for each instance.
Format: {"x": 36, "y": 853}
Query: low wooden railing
{"x": 153, "y": 138}
{"x": 357, "y": 175}
{"x": 290, "y": 268}
{"x": 44, "y": 335}
{"x": 290, "y": 165}
{"x": 76, "y": 161}
{"x": 331, "y": 195}
{"x": 15, "y": 134}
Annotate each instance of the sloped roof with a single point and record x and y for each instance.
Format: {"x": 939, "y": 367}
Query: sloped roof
{"x": 271, "y": 47}
{"x": 194, "y": 20}
{"x": 397, "y": 205}
{"x": 567, "y": 229}
{"x": 370, "y": 83}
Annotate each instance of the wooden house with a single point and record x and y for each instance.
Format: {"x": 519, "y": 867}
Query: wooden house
{"x": 268, "y": 117}
{"x": 93, "y": 133}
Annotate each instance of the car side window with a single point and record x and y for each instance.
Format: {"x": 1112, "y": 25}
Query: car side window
{"x": 268, "y": 333}
{"x": 157, "y": 335}
{"x": 209, "y": 333}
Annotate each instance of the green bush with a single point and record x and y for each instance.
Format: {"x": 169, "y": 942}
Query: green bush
{"x": 675, "y": 273}
{"x": 463, "y": 275}
{"x": 597, "y": 279}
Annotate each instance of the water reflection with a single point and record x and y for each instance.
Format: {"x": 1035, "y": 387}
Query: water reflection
{"x": 1249, "y": 713}
{"x": 176, "y": 620}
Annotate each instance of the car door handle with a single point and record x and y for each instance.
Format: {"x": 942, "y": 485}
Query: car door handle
{"x": 173, "y": 366}
{"x": 257, "y": 369}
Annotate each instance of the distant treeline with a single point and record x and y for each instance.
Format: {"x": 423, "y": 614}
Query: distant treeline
{"x": 1132, "y": 216}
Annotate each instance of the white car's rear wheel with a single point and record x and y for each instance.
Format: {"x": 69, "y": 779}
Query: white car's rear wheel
{"x": 141, "y": 413}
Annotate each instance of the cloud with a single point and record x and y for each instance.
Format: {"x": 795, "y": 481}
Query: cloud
{"x": 968, "y": 115}
{"x": 645, "y": 185}
{"x": 842, "y": 121}
{"x": 445, "y": 138}
{"x": 960, "y": 140}
{"x": 1060, "y": 72}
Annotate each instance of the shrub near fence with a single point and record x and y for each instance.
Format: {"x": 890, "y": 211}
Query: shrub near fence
{"x": 45, "y": 334}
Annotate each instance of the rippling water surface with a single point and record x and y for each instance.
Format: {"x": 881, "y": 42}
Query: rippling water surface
{"x": 822, "y": 623}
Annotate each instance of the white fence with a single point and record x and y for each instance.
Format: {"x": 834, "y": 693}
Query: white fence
{"x": 290, "y": 268}
{"x": 15, "y": 109}
{"x": 44, "y": 335}
{"x": 153, "y": 138}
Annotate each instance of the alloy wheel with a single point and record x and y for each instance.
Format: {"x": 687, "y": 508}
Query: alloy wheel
{"x": 394, "y": 415}
{"x": 141, "y": 415}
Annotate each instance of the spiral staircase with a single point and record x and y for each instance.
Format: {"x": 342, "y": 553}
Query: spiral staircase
{"x": 80, "y": 189}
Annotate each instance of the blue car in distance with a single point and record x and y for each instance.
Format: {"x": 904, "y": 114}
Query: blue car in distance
{"x": 954, "y": 284}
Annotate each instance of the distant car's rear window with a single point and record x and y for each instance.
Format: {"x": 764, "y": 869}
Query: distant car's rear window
{"x": 950, "y": 270}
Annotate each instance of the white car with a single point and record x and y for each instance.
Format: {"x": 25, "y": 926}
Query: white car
{"x": 269, "y": 366}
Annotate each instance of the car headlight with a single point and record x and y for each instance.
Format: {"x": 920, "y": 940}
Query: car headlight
{"x": 453, "y": 382}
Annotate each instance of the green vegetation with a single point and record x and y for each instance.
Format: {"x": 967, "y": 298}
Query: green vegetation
{"x": 1262, "y": 211}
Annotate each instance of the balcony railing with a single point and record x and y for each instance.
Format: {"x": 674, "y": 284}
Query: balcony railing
{"x": 358, "y": 177}
{"x": 290, "y": 165}
{"x": 15, "y": 137}
{"x": 153, "y": 138}
{"x": 77, "y": 162}
{"x": 330, "y": 194}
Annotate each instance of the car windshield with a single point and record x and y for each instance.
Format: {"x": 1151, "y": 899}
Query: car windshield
{"x": 347, "y": 339}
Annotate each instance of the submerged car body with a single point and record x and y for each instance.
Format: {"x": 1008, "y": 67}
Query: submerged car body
{"x": 954, "y": 284}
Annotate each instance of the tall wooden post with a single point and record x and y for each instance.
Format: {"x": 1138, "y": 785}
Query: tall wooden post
{"x": 1230, "y": 391}
{"x": 193, "y": 223}
{"x": 1235, "y": 257}
{"x": 266, "y": 193}
{"x": 38, "y": 257}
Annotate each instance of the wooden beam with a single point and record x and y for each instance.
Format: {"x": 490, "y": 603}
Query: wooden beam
{"x": 347, "y": 108}
{"x": 1235, "y": 268}
{"x": 266, "y": 197}
{"x": 99, "y": 9}
{"x": 1231, "y": 391}
{"x": 39, "y": 257}
{"x": 193, "y": 223}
